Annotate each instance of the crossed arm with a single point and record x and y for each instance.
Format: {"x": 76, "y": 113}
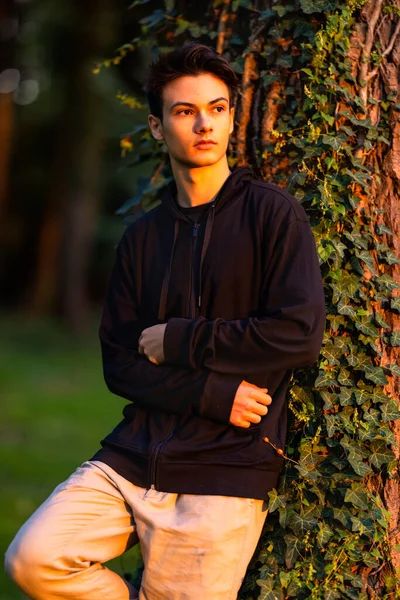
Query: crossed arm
{"x": 198, "y": 364}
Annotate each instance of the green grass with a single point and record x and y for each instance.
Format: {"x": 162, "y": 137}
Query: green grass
{"x": 55, "y": 408}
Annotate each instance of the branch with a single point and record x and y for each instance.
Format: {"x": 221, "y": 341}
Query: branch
{"x": 386, "y": 52}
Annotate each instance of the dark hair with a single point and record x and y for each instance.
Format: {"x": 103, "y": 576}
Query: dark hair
{"x": 191, "y": 59}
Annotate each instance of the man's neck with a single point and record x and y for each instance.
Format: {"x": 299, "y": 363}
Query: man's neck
{"x": 200, "y": 185}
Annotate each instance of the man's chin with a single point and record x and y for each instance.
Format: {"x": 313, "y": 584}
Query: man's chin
{"x": 198, "y": 161}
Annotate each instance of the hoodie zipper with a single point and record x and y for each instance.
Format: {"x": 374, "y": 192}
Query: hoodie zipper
{"x": 157, "y": 448}
{"x": 192, "y": 305}
{"x": 192, "y": 311}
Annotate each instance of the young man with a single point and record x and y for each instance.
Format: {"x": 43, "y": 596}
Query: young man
{"x": 214, "y": 298}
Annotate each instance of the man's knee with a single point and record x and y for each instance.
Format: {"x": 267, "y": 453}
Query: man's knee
{"x": 26, "y": 561}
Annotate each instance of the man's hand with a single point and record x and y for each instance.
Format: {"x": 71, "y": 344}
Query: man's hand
{"x": 250, "y": 405}
{"x": 151, "y": 343}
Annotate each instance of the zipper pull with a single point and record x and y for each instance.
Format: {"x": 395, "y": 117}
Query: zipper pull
{"x": 195, "y": 228}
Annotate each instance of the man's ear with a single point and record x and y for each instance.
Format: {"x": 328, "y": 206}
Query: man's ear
{"x": 156, "y": 127}
{"x": 231, "y": 119}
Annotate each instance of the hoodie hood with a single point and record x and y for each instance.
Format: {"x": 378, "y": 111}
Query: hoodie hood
{"x": 231, "y": 188}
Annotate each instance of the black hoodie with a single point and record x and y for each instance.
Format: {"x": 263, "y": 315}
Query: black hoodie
{"x": 242, "y": 296}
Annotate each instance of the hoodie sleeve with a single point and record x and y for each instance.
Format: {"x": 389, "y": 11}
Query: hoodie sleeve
{"x": 169, "y": 388}
{"x": 287, "y": 333}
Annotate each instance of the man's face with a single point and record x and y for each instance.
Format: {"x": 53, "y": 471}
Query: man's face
{"x": 197, "y": 120}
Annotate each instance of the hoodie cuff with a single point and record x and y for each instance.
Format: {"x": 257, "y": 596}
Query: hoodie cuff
{"x": 174, "y": 345}
{"x": 219, "y": 394}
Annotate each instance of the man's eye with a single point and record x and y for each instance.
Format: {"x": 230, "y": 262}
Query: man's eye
{"x": 219, "y": 108}
{"x": 184, "y": 111}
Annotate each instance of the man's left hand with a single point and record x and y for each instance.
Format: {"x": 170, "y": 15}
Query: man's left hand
{"x": 151, "y": 343}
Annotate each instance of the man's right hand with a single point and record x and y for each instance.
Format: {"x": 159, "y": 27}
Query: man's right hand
{"x": 250, "y": 404}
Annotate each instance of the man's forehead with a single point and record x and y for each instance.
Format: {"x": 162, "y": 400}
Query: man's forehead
{"x": 195, "y": 89}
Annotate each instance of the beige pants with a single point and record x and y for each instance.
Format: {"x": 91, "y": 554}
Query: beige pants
{"x": 194, "y": 547}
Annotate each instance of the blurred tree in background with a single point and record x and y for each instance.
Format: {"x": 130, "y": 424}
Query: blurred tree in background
{"x": 61, "y": 175}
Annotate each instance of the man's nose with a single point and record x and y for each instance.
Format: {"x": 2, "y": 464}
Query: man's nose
{"x": 203, "y": 122}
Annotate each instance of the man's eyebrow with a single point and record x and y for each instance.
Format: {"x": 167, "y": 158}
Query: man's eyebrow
{"x": 193, "y": 105}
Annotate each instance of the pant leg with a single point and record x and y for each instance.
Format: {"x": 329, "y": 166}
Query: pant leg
{"x": 194, "y": 547}
{"x": 58, "y": 552}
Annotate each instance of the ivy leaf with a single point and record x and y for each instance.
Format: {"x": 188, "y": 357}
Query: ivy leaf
{"x": 395, "y": 338}
{"x": 395, "y": 369}
{"x": 275, "y": 501}
{"x": 381, "y": 229}
{"x": 361, "y": 396}
{"x": 380, "y": 454}
{"x": 390, "y": 411}
{"x": 324, "y": 534}
{"x": 395, "y": 304}
{"x": 345, "y": 397}
{"x": 331, "y": 594}
{"x": 300, "y": 523}
{"x": 312, "y": 6}
{"x": 331, "y": 425}
{"x": 335, "y": 141}
{"x": 356, "y": 496}
{"x": 344, "y": 377}
{"x": 366, "y": 257}
{"x": 293, "y": 548}
{"x": 267, "y": 590}
{"x": 360, "y": 467}
{"x": 376, "y": 374}
{"x": 367, "y": 328}
{"x": 346, "y": 309}
{"x": 380, "y": 320}
{"x": 325, "y": 379}
{"x": 343, "y": 515}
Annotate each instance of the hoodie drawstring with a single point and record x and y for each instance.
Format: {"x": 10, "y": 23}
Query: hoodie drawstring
{"x": 165, "y": 284}
{"x": 207, "y": 237}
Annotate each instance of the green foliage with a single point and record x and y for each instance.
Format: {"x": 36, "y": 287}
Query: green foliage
{"x": 328, "y": 526}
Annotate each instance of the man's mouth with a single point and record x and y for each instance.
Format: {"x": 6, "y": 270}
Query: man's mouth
{"x": 205, "y": 144}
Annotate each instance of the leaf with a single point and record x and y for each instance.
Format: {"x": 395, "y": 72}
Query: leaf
{"x": 331, "y": 425}
{"x": 324, "y": 534}
{"x": 345, "y": 397}
{"x": 380, "y": 454}
{"x": 367, "y": 327}
{"x": 394, "y": 369}
{"x": 325, "y": 379}
{"x": 346, "y": 309}
{"x": 390, "y": 411}
{"x": 366, "y": 257}
{"x": 293, "y": 548}
{"x": 361, "y": 396}
{"x": 331, "y": 594}
{"x": 360, "y": 467}
{"x": 343, "y": 515}
{"x": 381, "y": 229}
{"x": 356, "y": 496}
{"x": 395, "y": 303}
{"x": 395, "y": 338}
{"x": 344, "y": 377}
{"x": 312, "y": 6}
{"x": 380, "y": 320}
{"x": 275, "y": 501}
{"x": 335, "y": 141}
{"x": 300, "y": 523}
{"x": 267, "y": 590}
{"x": 376, "y": 374}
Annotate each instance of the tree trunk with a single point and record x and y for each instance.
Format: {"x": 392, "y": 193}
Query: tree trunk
{"x": 67, "y": 233}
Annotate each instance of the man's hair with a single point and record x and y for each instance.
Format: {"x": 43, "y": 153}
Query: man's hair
{"x": 191, "y": 59}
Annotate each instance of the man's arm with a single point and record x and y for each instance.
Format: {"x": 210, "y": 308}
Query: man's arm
{"x": 127, "y": 373}
{"x": 287, "y": 334}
